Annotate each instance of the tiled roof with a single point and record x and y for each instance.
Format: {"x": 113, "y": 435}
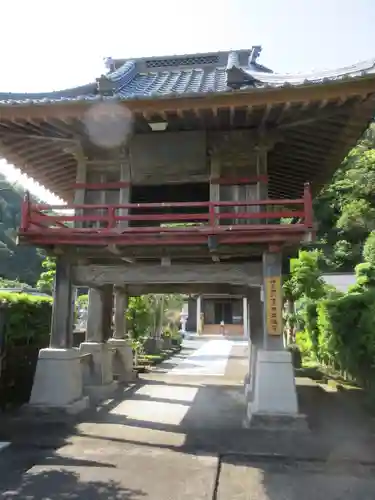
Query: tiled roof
{"x": 186, "y": 75}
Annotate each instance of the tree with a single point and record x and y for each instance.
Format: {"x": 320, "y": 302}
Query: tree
{"x": 305, "y": 284}
{"x": 306, "y": 276}
{"x": 46, "y": 280}
{"x": 345, "y": 209}
{"x": 369, "y": 249}
{"x": 20, "y": 263}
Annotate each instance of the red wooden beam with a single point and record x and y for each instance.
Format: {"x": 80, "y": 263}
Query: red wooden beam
{"x": 134, "y": 240}
{"x": 190, "y": 204}
{"x": 32, "y": 216}
{"x": 261, "y": 215}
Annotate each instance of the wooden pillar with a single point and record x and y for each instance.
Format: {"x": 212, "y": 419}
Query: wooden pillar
{"x": 214, "y": 186}
{"x": 272, "y": 301}
{"x": 62, "y": 324}
{"x": 125, "y": 190}
{"x": 121, "y": 305}
{"x": 100, "y": 310}
{"x": 245, "y": 317}
{"x": 199, "y": 312}
{"x": 81, "y": 176}
{"x": 262, "y": 187}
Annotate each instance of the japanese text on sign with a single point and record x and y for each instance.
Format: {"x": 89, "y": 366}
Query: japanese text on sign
{"x": 273, "y": 306}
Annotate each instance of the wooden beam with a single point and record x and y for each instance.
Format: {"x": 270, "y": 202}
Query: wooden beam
{"x": 116, "y": 251}
{"x": 16, "y": 135}
{"x": 233, "y": 273}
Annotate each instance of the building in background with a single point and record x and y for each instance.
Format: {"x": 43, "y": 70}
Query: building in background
{"x": 341, "y": 281}
{"x": 218, "y": 314}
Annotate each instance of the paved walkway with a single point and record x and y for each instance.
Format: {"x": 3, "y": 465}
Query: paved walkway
{"x": 210, "y": 359}
{"x": 177, "y": 434}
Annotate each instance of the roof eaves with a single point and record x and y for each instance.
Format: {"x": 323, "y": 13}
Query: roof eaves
{"x": 278, "y": 79}
{"x": 70, "y": 93}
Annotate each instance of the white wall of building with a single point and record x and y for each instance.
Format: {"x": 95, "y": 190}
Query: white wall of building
{"x": 340, "y": 281}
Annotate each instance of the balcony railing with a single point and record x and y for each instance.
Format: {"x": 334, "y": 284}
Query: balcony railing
{"x": 138, "y": 223}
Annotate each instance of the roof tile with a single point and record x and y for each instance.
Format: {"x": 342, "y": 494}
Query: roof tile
{"x": 176, "y": 76}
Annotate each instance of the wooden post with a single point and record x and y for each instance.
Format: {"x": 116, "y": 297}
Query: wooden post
{"x": 121, "y": 305}
{"x": 124, "y": 191}
{"x": 99, "y": 320}
{"x": 245, "y": 317}
{"x": 214, "y": 189}
{"x": 199, "y": 311}
{"x": 81, "y": 176}
{"x": 272, "y": 301}
{"x": 308, "y": 206}
{"x": 61, "y": 325}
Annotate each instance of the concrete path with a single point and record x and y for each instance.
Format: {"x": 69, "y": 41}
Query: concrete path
{"x": 210, "y": 359}
{"x": 177, "y": 434}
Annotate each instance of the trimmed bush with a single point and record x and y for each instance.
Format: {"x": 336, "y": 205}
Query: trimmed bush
{"x": 347, "y": 334}
{"x": 304, "y": 344}
{"x": 24, "y": 329}
{"x": 27, "y": 318}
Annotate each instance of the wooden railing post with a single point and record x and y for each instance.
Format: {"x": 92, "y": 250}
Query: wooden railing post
{"x": 211, "y": 212}
{"x": 111, "y": 217}
{"x": 307, "y": 201}
{"x": 25, "y": 212}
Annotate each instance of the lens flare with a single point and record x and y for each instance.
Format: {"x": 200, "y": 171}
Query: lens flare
{"x": 108, "y": 124}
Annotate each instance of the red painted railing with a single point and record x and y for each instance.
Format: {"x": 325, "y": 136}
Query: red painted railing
{"x": 246, "y": 221}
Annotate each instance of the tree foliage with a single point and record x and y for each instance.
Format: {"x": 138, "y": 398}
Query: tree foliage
{"x": 345, "y": 209}
{"x": 306, "y": 276}
{"x": 338, "y": 329}
{"x": 27, "y": 318}
{"x": 369, "y": 249}
{"x": 21, "y": 263}
{"x": 47, "y": 277}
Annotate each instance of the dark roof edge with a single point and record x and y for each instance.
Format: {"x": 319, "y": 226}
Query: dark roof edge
{"x": 67, "y": 93}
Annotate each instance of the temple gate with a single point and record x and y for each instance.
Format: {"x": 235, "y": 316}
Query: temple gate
{"x": 190, "y": 173}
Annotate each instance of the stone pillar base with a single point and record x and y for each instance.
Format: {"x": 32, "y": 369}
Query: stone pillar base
{"x": 98, "y": 380}
{"x": 274, "y": 398}
{"x": 153, "y": 345}
{"x": 249, "y": 381}
{"x": 167, "y": 343}
{"x": 58, "y": 381}
{"x": 122, "y": 360}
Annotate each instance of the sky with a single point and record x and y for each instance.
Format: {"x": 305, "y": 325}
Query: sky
{"x": 53, "y": 45}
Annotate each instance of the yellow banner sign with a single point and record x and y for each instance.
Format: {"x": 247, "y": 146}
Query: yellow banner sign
{"x": 273, "y": 303}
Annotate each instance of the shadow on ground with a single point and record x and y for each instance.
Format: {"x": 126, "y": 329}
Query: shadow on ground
{"x": 56, "y": 479}
{"x": 279, "y": 478}
{"x": 199, "y": 416}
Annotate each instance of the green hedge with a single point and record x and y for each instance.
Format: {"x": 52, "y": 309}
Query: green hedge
{"x": 342, "y": 333}
{"x": 27, "y": 318}
{"x": 25, "y": 325}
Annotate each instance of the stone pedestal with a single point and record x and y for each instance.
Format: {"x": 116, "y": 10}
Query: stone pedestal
{"x": 98, "y": 380}
{"x": 274, "y": 397}
{"x": 122, "y": 360}
{"x": 153, "y": 345}
{"x": 250, "y": 376}
{"x": 167, "y": 343}
{"x": 58, "y": 381}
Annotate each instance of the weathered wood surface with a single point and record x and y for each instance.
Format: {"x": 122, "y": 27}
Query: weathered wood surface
{"x": 190, "y": 288}
{"x": 231, "y": 274}
{"x": 169, "y": 157}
